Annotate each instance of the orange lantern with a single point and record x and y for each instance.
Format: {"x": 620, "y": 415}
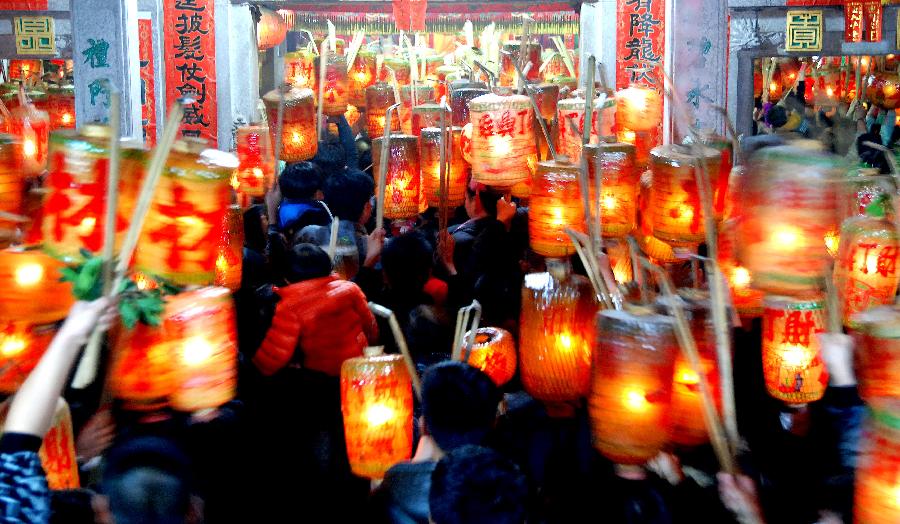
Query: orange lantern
{"x": 411, "y": 97}
{"x": 22, "y": 344}
{"x": 508, "y": 74}
{"x": 556, "y": 333}
{"x": 361, "y": 76}
{"x": 620, "y": 262}
{"x": 30, "y": 287}
{"x": 631, "y": 390}
{"x": 445, "y": 74}
{"x": 32, "y": 128}
{"x": 336, "y": 86}
{"x": 503, "y": 148}
{"x": 201, "y": 329}
{"x": 299, "y": 138}
{"x": 229, "y": 261}
{"x": 430, "y": 160}
{"x": 142, "y": 372}
{"x": 300, "y": 69}
{"x": 61, "y": 107}
{"x": 571, "y": 111}
{"x": 883, "y": 90}
{"x": 877, "y": 497}
{"x": 400, "y": 66}
{"x": 432, "y": 64}
{"x": 748, "y": 302}
{"x": 402, "y": 184}
{"x": 621, "y": 182}
{"x": 12, "y": 181}
{"x": 792, "y": 362}
{"x": 877, "y": 334}
{"x": 256, "y": 161}
{"x": 379, "y": 97}
{"x": 183, "y": 229}
{"x": 865, "y": 273}
{"x": 674, "y": 196}
{"x": 377, "y": 404}
{"x": 426, "y": 115}
{"x": 271, "y": 29}
{"x": 555, "y": 205}
{"x": 638, "y": 108}
{"x": 494, "y": 353}
{"x": 554, "y": 67}
{"x": 789, "y": 204}
{"x": 25, "y": 69}
{"x": 459, "y": 103}
{"x": 643, "y": 142}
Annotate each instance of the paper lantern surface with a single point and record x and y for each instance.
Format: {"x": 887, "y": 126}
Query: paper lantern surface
{"x": 494, "y": 352}
{"x": 503, "y": 148}
{"x": 336, "y": 86}
{"x": 300, "y": 69}
{"x": 22, "y": 344}
{"x": 792, "y": 361}
{"x": 865, "y": 273}
{"x": 877, "y": 354}
{"x": 555, "y": 205}
{"x": 620, "y": 188}
{"x": 256, "y": 169}
{"x": 379, "y": 97}
{"x": 402, "y": 185}
{"x": 572, "y": 121}
{"x": 430, "y": 161}
{"x": 877, "y": 493}
{"x": 299, "y": 138}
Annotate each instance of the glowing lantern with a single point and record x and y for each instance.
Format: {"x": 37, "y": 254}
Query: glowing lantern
{"x": 402, "y": 185}
{"x": 25, "y": 69}
{"x": 883, "y": 90}
{"x": 400, "y": 66}
{"x": 723, "y": 177}
{"x": 877, "y": 354}
{"x": 271, "y": 29}
{"x": 361, "y": 76}
{"x": 183, "y": 229}
{"x": 618, "y": 202}
{"x": 379, "y": 98}
{"x": 21, "y": 346}
{"x": 61, "y": 107}
{"x": 229, "y": 261}
{"x": 865, "y": 272}
{"x": 300, "y": 69}
{"x": 620, "y": 262}
{"x": 792, "y": 362}
{"x": 12, "y": 181}
{"x": 503, "y": 147}
{"x": 409, "y": 98}
{"x": 32, "y": 128}
{"x": 352, "y": 115}
{"x": 555, "y": 205}
{"x": 459, "y": 103}
{"x": 556, "y": 333}
{"x": 571, "y": 111}
{"x": 748, "y": 302}
{"x": 299, "y": 139}
{"x": 336, "y": 86}
{"x": 494, "y": 353}
{"x": 631, "y": 390}
{"x": 377, "y": 404}
{"x": 789, "y": 204}
{"x": 426, "y": 115}
{"x": 201, "y": 329}
{"x": 430, "y": 161}
{"x": 554, "y": 67}
{"x": 30, "y": 287}
{"x": 638, "y": 108}
{"x": 877, "y": 497}
{"x": 674, "y": 196}
{"x": 256, "y": 162}
{"x": 142, "y": 372}
{"x": 508, "y": 74}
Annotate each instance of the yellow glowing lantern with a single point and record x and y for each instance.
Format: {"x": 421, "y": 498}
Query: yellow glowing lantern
{"x": 377, "y": 404}
{"x": 61, "y": 107}
{"x": 638, "y": 108}
{"x": 877, "y": 354}
{"x": 256, "y": 161}
{"x": 674, "y": 195}
{"x": 748, "y": 302}
{"x": 379, "y": 97}
{"x": 271, "y": 29}
{"x": 571, "y": 125}
{"x": 877, "y": 495}
{"x": 31, "y": 127}
{"x": 229, "y": 260}
{"x": 409, "y": 98}
{"x": 865, "y": 272}
{"x": 299, "y": 138}
{"x": 335, "y": 86}
{"x": 300, "y": 69}
{"x": 459, "y": 103}
{"x": 402, "y": 185}
{"x": 22, "y": 344}
{"x": 792, "y": 362}
{"x": 503, "y": 148}
{"x": 361, "y": 76}
{"x": 142, "y": 372}
{"x": 12, "y": 181}
{"x": 430, "y": 161}
{"x": 631, "y": 389}
{"x": 30, "y": 287}
{"x": 494, "y": 352}
{"x": 555, "y": 205}
{"x": 621, "y": 185}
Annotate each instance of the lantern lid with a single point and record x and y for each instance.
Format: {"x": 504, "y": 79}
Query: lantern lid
{"x": 429, "y": 107}
{"x": 292, "y": 95}
{"x": 612, "y": 147}
{"x": 434, "y": 133}
{"x": 636, "y": 321}
{"x": 398, "y": 139}
{"x": 447, "y": 69}
{"x": 560, "y": 166}
{"x": 881, "y": 322}
{"x": 490, "y": 102}
{"x": 676, "y": 155}
{"x": 810, "y": 301}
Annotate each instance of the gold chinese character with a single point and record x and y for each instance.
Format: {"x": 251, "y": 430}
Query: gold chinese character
{"x": 804, "y": 31}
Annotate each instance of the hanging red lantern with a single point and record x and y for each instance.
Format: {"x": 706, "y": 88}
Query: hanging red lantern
{"x": 22, "y": 344}
{"x": 31, "y": 289}
{"x": 504, "y": 153}
{"x": 299, "y": 138}
{"x": 877, "y": 496}
{"x": 555, "y": 205}
{"x": 877, "y": 334}
{"x": 256, "y": 161}
{"x": 271, "y": 29}
{"x": 792, "y": 361}
{"x": 494, "y": 353}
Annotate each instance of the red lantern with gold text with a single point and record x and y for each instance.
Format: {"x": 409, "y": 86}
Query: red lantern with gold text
{"x": 379, "y": 97}
{"x": 631, "y": 390}
{"x": 336, "y": 86}
{"x": 300, "y": 69}
{"x": 31, "y": 289}
{"x": 256, "y": 161}
{"x": 402, "y": 184}
{"x": 22, "y": 344}
{"x": 877, "y": 496}
{"x": 361, "y": 76}
{"x": 503, "y": 148}
{"x": 430, "y": 161}
{"x": 142, "y": 372}
{"x": 494, "y": 353}
{"x": 621, "y": 180}
{"x": 271, "y": 29}
{"x": 299, "y": 138}
{"x": 31, "y": 127}
{"x": 229, "y": 261}
{"x": 555, "y": 205}
{"x": 571, "y": 114}
{"x": 792, "y": 361}
{"x": 377, "y": 404}
{"x": 61, "y": 107}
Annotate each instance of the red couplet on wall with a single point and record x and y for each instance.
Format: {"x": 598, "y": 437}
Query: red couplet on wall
{"x": 641, "y": 45}
{"x": 148, "y": 91}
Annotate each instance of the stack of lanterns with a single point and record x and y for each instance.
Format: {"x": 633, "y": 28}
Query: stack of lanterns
{"x": 402, "y": 184}
{"x": 430, "y": 161}
{"x": 256, "y": 162}
{"x": 503, "y": 148}
{"x": 494, "y": 353}
{"x": 556, "y": 204}
{"x": 299, "y": 138}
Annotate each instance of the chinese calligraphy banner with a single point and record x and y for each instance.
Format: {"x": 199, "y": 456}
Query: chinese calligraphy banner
{"x": 862, "y": 20}
{"x": 190, "y": 51}
{"x": 641, "y": 44}
{"x": 148, "y": 89}
{"x": 23, "y": 5}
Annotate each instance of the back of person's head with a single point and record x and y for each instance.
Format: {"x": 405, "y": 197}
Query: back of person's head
{"x": 71, "y": 506}
{"x": 254, "y": 232}
{"x": 476, "y": 485}
{"x": 301, "y": 181}
{"x": 777, "y": 116}
{"x": 487, "y": 196}
{"x": 347, "y": 194}
{"x": 407, "y": 261}
{"x": 306, "y": 262}
{"x": 459, "y": 404}
{"x": 428, "y": 334}
{"x": 330, "y": 157}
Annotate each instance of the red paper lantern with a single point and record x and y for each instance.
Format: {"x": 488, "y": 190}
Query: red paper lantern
{"x": 877, "y": 354}
{"x": 877, "y": 497}
{"x": 361, "y": 76}
{"x": 31, "y": 289}
{"x": 300, "y": 69}
{"x": 459, "y": 103}
{"x": 638, "y": 108}
{"x": 620, "y": 189}
{"x": 571, "y": 111}
{"x": 865, "y": 272}
{"x": 32, "y": 128}
{"x": 792, "y": 362}
{"x": 430, "y": 160}
{"x": 61, "y": 107}
{"x": 409, "y": 98}
{"x": 504, "y": 153}
{"x": 271, "y": 29}
{"x": 379, "y": 97}
{"x": 403, "y": 182}
{"x": 674, "y": 195}
{"x": 336, "y": 85}
{"x": 493, "y": 352}
{"x": 229, "y": 261}
{"x": 555, "y": 205}
{"x": 256, "y": 161}
{"x": 299, "y": 138}
{"x": 142, "y": 372}
{"x": 22, "y": 344}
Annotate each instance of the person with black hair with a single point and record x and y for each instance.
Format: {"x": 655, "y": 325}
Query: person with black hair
{"x": 475, "y": 485}
{"x": 337, "y": 153}
{"x": 459, "y": 408}
{"x": 301, "y": 190}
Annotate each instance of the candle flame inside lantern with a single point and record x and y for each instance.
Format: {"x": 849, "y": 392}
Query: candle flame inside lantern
{"x": 740, "y": 277}
{"x": 832, "y": 242}
{"x": 296, "y": 138}
{"x": 196, "y": 351}
{"x": 29, "y": 147}
{"x": 558, "y": 219}
{"x": 830, "y": 92}
{"x": 86, "y": 227}
{"x": 221, "y": 263}
{"x": 609, "y": 202}
{"x": 685, "y": 211}
{"x": 786, "y": 237}
{"x": 795, "y": 356}
{"x": 501, "y": 145}
{"x": 687, "y": 376}
{"x": 635, "y": 399}
{"x": 379, "y": 415}
{"x": 564, "y": 342}
{"x": 66, "y": 118}
{"x": 773, "y": 87}
{"x": 12, "y": 345}
{"x": 29, "y": 274}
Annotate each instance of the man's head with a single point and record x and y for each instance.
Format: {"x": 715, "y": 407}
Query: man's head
{"x": 301, "y": 181}
{"x": 407, "y": 261}
{"x": 331, "y": 157}
{"x": 475, "y": 485}
{"x": 348, "y": 195}
{"x": 481, "y": 200}
{"x": 306, "y": 262}
{"x": 459, "y": 404}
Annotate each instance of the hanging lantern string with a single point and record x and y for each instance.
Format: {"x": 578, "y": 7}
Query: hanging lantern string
{"x": 688, "y": 346}
{"x": 387, "y": 314}
{"x": 537, "y": 111}
{"x": 383, "y": 165}
{"x": 463, "y": 324}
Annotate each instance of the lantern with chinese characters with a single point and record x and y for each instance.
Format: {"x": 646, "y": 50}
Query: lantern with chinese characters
{"x": 335, "y": 85}
{"x": 556, "y": 333}
{"x": 555, "y": 205}
{"x": 426, "y": 115}
{"x": 554, "y": 67}
{"x": 621, "y": 180}
{"x": 638, "y": 108}
{"x": 877, "y": 354}
{"x": 299, "y": 139}
{"x": 508, "y": 74}
{"x": 61, "y": 107}
{"x": 789, "y": 204}
{"x": 271, "y": 29}
{"x": 256, "y": 162}
{"x": 142, "y": 372}
{"x": 883, "y": 90}
{"x": 503, "y": 149}
{"x": 22, "y": 344}
{"x": 30, "y": 287}
{"x": 865, "y": 272}
{"x": 25, "y": 69}
{"x": 571, "y": 111}
{"x": 361, "y": 76}
{"x": 377, "y": 404}
{"x": 12, "y": 181}
{"x": 32, "y": 128}
{"x": 430, "y": 161}
{"x": 402, "y": 184}
{"x": 674, "y": 196}
{"x": 229, "y": 261}
{"x": 300, "y": 69}
{"x": 400, "y": 66}
{"x": 379, "y": 98}
{"x": 459, "y": 103}
{"x": 877, "y": 496}
{"x": 494, "y": 352}
{"x": 410, "y": 97}
{"x": 631, "y": 389}
{"x": 184, "y": 226}
{"x": 792, "y": 361}
{"x": 200, "y": 326}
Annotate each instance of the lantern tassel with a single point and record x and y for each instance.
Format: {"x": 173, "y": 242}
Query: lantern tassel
{"x": 383, "y": 165}
{"x": 386, "y": 313}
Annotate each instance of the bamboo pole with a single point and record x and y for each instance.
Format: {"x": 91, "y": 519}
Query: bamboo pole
{"x": 332, "y": 241}
{"x": 323, "y": 59}
{"x": 834, "y": 304}
{"x": 386, "y": 313}
{"x": 443, "y": 210}
{"x": 470, "y": 340}
{"x": 279, "y": 129}
{"x": 112, "y": 191}
{"x": 638, "y": 270}
{"x": 537, "y": 111}
{"x": 383, "y": 165}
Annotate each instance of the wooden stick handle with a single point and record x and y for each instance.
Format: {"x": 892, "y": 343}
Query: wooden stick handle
{"x": 323, "y": 62}
{"x": 383, "y": 165}
{"x": 401, "y": 344}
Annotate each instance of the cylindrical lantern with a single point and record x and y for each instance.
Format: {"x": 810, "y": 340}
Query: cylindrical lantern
{"x": 494, "y": 352}
{"x": 643, "y": 142}
{"x": 61, "y": 107}
{"x": 555, "y": 205}
{"x": 748, "y": 302}
{"x": 432, "y": 64}
{"x": 789, "y": 204}
{"x": 877, "y": 496}
{"x": 410, "y": 98}
{"x": 621, "y": 184}
{"x": 400, "y": 66}
{"x": 503, "y": 148}
{"x": 200, "y": 325}
{"x": 571, "y": 111}
{"x": 555, "y": 66}
{"x": 426, "y": 115}
{"x": 183, "y": 228}
{"x": 508, "y": 74}
{"x": 556, "y": 333}
{"x": 12, "y": 180}
{"x": 402, "y": 184}
{"x": 336, "y": 86}
{"x": 883, "y": 90}
{"x": 631, "y": 390}
{"x": 299, "y": 139}
{"x": 792, "y": 361}
{"x": 865, "y": 272}
{"x": 430, "y": 161}
{"x": 674, "y": 196}
{"x": 32, "y": 128}
{"x": 377, "y": 404}
{"x": 256, "y": 161}
{"x": 638, "y": 108}
{"x": 877, "y": 354}
{"x": 379, "y": 97}
{"x": 25, "y": 69}
{"x": 142, "y": 372}
{"x": 361, "y": 75}
{"x": 300, "y": 69}
{"x": 459, "y": 103}
{"x": 445, "y": 74}
{"x": 271, "y": 29}
{"x": 31, "y": 288}
{"x": 229, "y": 261}
{"x": 22, "y": 344}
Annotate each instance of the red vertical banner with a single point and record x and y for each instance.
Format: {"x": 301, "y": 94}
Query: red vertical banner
{"x": 23, "y": 5}
{"x": 190, "y": 51}
{"x": 641, "y": 45}
{"x": 853, "y": 21}
{"x": 148, "y": 89}
{"x": 873, "y": 13}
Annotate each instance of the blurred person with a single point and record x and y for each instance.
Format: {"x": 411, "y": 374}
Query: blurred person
{"x": 337, "y": 153}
